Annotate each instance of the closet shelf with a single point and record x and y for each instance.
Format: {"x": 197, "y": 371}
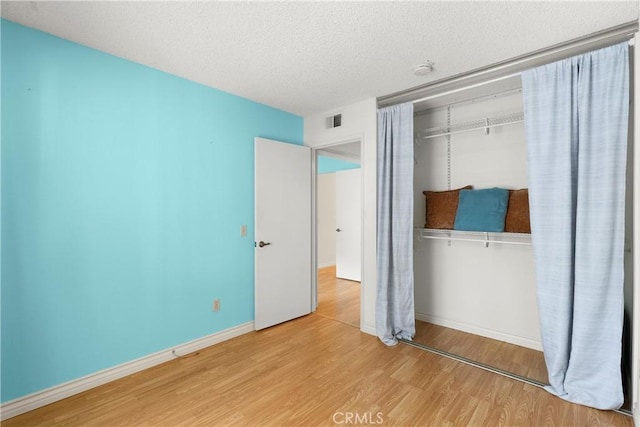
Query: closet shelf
{"x": 475, "y": 236}
{"x": 486, "y": 124}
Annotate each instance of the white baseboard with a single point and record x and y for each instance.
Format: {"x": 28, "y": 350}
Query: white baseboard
{"x": 369, "y": 329}
{"x": 476, "y": 330}
{"x": 44, "y": 397}
{"x": 326, "y": 264}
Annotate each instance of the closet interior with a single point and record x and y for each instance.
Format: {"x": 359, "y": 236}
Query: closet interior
{"x": 475, "y": 291}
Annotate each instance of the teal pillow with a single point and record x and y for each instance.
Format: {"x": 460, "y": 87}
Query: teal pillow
{"x": 482, "y": 210}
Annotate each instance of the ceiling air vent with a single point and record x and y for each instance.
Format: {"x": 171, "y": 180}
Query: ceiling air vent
{"x": 334, "y": 121}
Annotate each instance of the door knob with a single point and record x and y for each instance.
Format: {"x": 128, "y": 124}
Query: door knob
{"x": 263, "y": 244}
{"x": 338, "y": 230}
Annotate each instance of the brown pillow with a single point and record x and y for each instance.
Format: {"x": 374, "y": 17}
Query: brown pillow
{"x": 442, "y": 207}
{"x": 517, "y": 219}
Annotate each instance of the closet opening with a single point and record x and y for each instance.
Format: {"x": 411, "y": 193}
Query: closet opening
{"x": 339, "y": 231}
{"x": 475, "y": 292}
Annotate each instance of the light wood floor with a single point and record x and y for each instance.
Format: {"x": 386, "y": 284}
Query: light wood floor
{"x": 508, "y": 357}
{"x": 338, "y": 299}
{"x": 315, "y": 371}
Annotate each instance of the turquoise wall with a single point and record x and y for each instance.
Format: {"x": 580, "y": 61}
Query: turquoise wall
{"x": 123, "y": 192}
{"x": 329, "y": 164}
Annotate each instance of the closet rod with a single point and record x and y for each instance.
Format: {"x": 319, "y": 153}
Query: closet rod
{"x": 486, "y": 124}
{"x": 470, "y": 130}
{"x": 467, "y": 101}
{"x": 465, "y": 88}
{"x": 486, "y": 82}
{"x": 513, "y": 67}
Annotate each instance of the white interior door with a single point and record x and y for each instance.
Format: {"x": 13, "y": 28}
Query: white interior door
{"x": 282, "y": 232}
{"x": 348, "y": 224}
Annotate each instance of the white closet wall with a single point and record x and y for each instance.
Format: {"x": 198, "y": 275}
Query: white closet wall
{"x": 463, "y": 285}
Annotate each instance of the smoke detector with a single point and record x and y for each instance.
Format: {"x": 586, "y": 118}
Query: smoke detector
{"x": 423, "y": 69}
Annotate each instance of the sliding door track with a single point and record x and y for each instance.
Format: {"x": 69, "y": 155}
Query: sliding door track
{"x": 488, "y": 368}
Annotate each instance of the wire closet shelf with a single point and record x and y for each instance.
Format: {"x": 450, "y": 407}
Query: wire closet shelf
{"x": 483, "y": 237}
{"x": 486, "y": 124}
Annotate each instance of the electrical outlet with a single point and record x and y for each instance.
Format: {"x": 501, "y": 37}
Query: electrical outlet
{"x": 216, "y": 305}
{"x": 243, "y": 231}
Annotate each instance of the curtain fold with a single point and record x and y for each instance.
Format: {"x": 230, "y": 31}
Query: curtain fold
{"x": 395, "y": 316}
{"x": 576, "y": 125}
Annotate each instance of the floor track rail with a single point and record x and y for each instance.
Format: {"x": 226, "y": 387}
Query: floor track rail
{"x": 488, "y": 368}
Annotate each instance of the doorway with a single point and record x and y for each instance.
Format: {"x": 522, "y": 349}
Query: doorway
{"x": 338, "y": 210}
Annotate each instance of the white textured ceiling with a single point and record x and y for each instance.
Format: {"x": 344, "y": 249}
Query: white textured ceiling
{"x": 311, "y": 57}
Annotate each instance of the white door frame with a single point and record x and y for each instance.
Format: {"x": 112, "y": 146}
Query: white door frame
{"x": 635, "y": 323}
{"x": 314, "y": 218}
